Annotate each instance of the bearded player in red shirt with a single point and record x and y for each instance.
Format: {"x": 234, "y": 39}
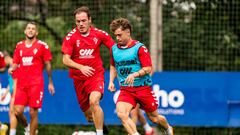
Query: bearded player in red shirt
{"x": 81, "y": 53}
{"x": 30, "y": 56}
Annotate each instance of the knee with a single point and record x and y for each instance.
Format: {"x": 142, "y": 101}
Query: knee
{"x": 122, "y": 115}
{"x": 94, "y": 102}
{"x": 33, "y": 112}
{"x": 18, "y": 111}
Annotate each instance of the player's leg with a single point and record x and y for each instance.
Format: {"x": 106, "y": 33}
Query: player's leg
{"x": 35, "y": 94}
{"x": 160, "y": 120}
{"x": 134, "y": 114}
{"x": 123, "y": 112}
{"x": 149, "y": 104}
{"x": 18, "y": 111}
{"x": 97, "y": 112}
{"x": 148, "y": 129}
{"x": 13, "y": 119}
{"x": 33, "y": 120}
{"x": 19, "y": 103}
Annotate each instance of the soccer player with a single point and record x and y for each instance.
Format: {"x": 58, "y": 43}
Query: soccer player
{"x": 12, "y": 89}
{"x": 31, "y": 55}
{"x": 131, "y": 63}
{"x": 81, "y": 53}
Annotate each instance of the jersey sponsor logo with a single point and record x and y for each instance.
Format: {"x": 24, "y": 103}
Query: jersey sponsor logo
{"x": 86, "y": 53}
{"x": 126, "y": 62}
{"x": 70, "y": 34}
{"x": 125, "y": 71}
{"x": 27, "y": 61}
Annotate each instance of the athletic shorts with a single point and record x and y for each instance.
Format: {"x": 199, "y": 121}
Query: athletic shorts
{"x": 83, "y": 88}
{"x": 29, "y": 95}
{"x": 145, "y": 97}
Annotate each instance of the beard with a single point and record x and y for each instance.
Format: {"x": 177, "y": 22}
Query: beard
{"x": 30, "y": 37}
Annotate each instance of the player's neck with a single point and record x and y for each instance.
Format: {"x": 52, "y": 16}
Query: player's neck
{"x": 29, "y": 41}
{"x": 129, "y": 42}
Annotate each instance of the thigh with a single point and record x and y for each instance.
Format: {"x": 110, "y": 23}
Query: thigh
{"x": 127, "y": 97}
{"x": 147, "y": 100}
{"x": 35, "y": 94}
{"x": 82, "y": 95}
{"x": 124, "y": 107}
{"x": 21, "y": 96}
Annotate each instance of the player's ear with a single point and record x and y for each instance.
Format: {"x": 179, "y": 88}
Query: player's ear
{"x": 90, "y": 19}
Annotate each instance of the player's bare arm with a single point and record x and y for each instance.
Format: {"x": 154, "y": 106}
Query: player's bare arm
{"x": 113, "y": 74}
{"x": 143, "y": 71}
{"x": 86, "y": 70}
{"x": 49, "y": 72}
{"x": 12, "y": 68}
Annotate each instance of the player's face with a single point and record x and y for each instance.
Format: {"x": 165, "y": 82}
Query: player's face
{"x": 31, "y": 31}
{"x": 122, "y": 36}
{"x": 83, "y": 22}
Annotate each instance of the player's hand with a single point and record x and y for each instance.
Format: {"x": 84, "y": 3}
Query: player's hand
{"x": 87, "y": 71}
{"x": 111, "y": 87}
{"x": 51, "y": 88}
{"x": 130, "y": 80}
{"x": 10, "y": 71}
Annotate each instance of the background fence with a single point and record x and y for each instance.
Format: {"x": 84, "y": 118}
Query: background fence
{"x": 197, "y": 35}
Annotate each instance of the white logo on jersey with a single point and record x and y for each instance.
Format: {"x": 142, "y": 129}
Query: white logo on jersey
{"x": 86, "y": 53}
{"x": 35, "y": 51}
{"x": 145, "y": 49}
{"x": 78, "y": 43}
{"x": 27, "y": 61}
{"x": 95, "y": 40}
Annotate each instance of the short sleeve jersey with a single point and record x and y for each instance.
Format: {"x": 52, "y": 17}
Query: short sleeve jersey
{"x": 2, "y": 62}
{"x": 31, "y": 61}
{"x": 85, "y": 50}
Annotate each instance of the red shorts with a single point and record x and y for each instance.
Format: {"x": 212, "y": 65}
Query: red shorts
{"x": 83, "y": 88}
{"x": 145, "y": 97}
{"x": 29, "y": 95}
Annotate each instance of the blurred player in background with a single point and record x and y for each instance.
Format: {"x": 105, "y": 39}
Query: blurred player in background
{"x": 31, "y": 55}
{"x": 2, "y": 62}
{"x": 12, "y": 80}
{"x": 131, "y": 63}
{"x": 81, "y": 53}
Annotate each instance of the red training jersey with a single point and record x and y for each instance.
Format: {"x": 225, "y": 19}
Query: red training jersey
{"x": 85, "y": 50}
{"x": 30, "y": 59}
{"x": 2, "y": 62}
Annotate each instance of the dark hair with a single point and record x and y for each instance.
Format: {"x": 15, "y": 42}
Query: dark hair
{"x": 82, "y": 9}
{"x": 33, "y": 23}
{"x": 120, "y": 23}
